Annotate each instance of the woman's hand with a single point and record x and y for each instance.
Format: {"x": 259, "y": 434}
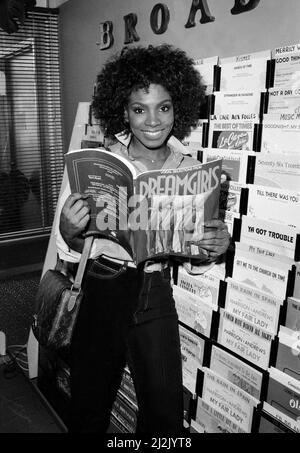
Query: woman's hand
{"x": 74, "y": 218}
{"x": 216, "y": 238}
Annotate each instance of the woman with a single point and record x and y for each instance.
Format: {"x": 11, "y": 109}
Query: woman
{"x": 153, "y": 96}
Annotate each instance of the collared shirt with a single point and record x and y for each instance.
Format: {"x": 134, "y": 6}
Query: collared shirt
{"x": 176, "y": 159}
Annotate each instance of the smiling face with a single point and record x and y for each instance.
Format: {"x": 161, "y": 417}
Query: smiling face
{"x": 151, "y": 117}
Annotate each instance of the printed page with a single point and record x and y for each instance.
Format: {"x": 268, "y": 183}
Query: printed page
{"x": 244, "y": 339}
{"x": 237, "y": 134}
{"x": 205, "y": 286}
{"x": 284, "y": 100}
{"x": 228, "y": 399}
{"x": 280, "y": 136}
{"x": 210, "y": 420}
{"x": 236, "y": 371}
{"x": 234, "y": 163}
{"x": 237, "y": 102}
{"x": 244, "y": 72}
{"x": 252, "y": 305}
{"x": 278, "y": 170}
{"x": 287, "y": 70}
{"x": 274, "y": 236}
{"x": 192, "y": 312}
{"x": 285, "y": 50}
{"x": 268, "y": 275}
{"x": 274, "y": 205}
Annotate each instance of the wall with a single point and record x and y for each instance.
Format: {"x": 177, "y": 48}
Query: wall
{"x": 271, "y": 24}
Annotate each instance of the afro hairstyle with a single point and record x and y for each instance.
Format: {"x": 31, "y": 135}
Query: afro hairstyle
{"x": 138, "y": 67}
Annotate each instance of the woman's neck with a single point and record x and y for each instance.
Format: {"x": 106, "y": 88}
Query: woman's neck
{"x": 153, "y": 156}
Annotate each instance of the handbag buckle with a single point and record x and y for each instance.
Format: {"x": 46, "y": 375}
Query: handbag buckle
{"x": 73, "y": 298}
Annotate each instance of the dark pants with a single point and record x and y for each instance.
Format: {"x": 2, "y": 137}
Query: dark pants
{"x": 126, "y": 316}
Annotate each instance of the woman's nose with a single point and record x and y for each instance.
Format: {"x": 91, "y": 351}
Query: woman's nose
{"x": 152, "y": 119}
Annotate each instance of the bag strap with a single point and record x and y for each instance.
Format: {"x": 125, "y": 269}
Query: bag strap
{"x": 82, "y": 263}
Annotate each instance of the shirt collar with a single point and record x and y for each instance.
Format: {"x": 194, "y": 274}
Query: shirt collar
{"x": 124, "y": 138}
{"x": 176, "y": 147}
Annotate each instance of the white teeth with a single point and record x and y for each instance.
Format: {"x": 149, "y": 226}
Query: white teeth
{"x": 152, "y": 133}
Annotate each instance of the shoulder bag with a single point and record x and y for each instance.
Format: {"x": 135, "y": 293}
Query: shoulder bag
{"x": 57, "y": 305}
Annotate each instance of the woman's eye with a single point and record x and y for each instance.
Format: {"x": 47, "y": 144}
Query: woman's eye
{"x": 138, "y": 110}
{"x": 165, "y": 108}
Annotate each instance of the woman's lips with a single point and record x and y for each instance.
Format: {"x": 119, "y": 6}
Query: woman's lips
{"x": 153, "y": 134}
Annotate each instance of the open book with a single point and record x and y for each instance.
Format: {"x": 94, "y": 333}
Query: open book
{"x": 152, "y": 214}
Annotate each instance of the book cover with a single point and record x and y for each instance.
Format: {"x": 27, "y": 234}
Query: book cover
{"x": 287, "y": 70}
{"x": 205, "y": 286}
{"x": 283, "y": 100}
{"x": 285, "y": 50}
{"x": 237, "y": 164}
{"x": 236, "y": 371}
{"x": 176, "y": 219}
{"x": 281, "y": 171}
{"x": 280, "y": 136}
{"x": 238, "y": 102}
{"x": 192, "y": 350}
{"x": 210, "y": 420}
{"x": 264, "y": 274}
{"x": 288, "y": 353}
{"x": 235, "y": 134}
{"x": 244, "y": 72}
{"x": 277, "y": 117}
{"x": 264, "y": 251}
{"x": 153, "y": 214}
{"x": 192, "y": 311}
{"x": 275, "y": 237}
{"x": 228, "y": 399}
{"x": 252, "y": 305}
{"x": 287, "y": 421}
{"x": 271, "y": 425}
{"x": 274, "y": 205}
{"x": 292, "y": 320}
{"x": 238, "y": 116}
{"x": 284, "y": 393}
{"x": 244, "y": 339}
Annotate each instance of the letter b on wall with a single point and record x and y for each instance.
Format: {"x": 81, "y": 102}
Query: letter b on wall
{"x": 106, "y": 36}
